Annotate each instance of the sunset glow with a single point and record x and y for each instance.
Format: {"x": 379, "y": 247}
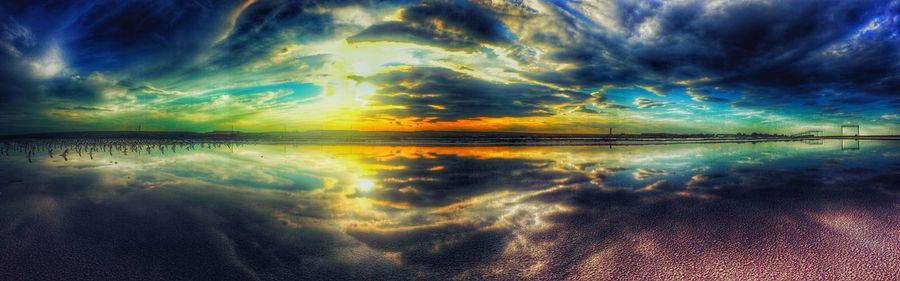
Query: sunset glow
{"x": 535, "y": 66}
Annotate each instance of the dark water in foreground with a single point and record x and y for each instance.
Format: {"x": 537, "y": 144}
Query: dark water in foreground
{"x": 779, "y": 210}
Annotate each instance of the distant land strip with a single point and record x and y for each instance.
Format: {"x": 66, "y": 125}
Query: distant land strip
{"x": 415, "y": 138}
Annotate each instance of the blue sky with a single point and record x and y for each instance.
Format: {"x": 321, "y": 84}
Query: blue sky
{"x": 516, "y": 65}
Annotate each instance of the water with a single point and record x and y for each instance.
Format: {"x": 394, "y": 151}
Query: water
{"x": 772, "y": 210}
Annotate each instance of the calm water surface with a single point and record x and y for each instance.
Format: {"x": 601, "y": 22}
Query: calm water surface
{"x": 778, "y": 210}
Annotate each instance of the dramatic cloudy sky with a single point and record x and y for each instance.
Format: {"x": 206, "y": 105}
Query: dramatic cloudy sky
{"x": 514, "y": 65}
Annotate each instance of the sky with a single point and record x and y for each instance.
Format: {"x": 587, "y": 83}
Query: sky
{"x": 515, "y": 65}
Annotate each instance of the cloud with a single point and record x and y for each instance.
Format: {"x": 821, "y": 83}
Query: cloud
{"x": 146, "y": 89}
{"x": 699, "y": 107}
{"x": 473, "y": 244}
{"x": 148, "y": 37}
{"x": 652, "y": 90}
{"x": 698, "y": 96}
{"x": 448, "y": 24}
{"x": 810, "y": 61}
{"x": 600, "y": 100}
{"x": 643, "y": 174}
{"x": 60, "y": 50}
{"x": 448, "y": 95}
{"x": 648, "y": 103}
{"x": 266, "y": 25}
{"x": 83, "y": 108}
{"x": 584, "y": 109}
{"x": 775, "y": 48}
{"x": 49, "y": 65}
{"x": 460, "y": 177}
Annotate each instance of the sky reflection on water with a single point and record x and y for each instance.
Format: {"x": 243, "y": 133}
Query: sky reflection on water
{"x": 779, "y": 210}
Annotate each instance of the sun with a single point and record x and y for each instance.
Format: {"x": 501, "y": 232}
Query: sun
{"x": 365, "y": 185}
{"x": 364, "y": 91}
{"x": 362, "y": 68}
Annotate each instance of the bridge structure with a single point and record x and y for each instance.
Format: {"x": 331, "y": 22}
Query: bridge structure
{"x": 808, "y": 134}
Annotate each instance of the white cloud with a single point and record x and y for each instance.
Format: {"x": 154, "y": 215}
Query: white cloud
{"x": 648, "y": 103}
{"x": 50, "y": 65}
{"x": 696, "y": 96}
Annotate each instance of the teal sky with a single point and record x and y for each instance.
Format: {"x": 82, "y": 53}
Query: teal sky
{"x": 515, "y": 65}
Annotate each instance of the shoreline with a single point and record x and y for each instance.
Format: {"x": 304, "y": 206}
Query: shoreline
{"x": 376, "y": 141}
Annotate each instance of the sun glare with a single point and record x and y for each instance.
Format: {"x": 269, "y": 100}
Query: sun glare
{"x": 365, "y": 185}
{"x": 364, "y": 91}
{"x": 362, "y": 69}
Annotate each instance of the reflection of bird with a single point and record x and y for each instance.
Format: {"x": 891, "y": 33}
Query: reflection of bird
{"x": 65, "y": 155}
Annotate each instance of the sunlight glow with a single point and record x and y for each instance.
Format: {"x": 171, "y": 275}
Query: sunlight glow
{"x": 364, "y": 91}
{"x": 365, "y": 185}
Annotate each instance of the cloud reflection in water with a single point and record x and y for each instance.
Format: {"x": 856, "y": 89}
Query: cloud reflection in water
{"x": 265, "y": 212}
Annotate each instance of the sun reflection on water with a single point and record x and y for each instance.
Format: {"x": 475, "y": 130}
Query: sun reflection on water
{"x": 495, "y": 212}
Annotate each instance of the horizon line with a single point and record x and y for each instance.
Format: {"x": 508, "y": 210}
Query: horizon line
{"x": 409, "y": 132}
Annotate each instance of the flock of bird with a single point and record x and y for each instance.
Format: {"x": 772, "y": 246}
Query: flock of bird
{"x": 65, "y": 148}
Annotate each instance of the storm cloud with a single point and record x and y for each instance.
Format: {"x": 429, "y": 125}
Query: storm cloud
{"x": 448, "y": 24}
{"x": 450, "y": 95}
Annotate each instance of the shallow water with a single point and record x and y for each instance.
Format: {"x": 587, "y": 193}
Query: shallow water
{"x": 772, "y": 210}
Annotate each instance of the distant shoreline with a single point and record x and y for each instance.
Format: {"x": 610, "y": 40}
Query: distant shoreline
{"x": 410, "y": 138}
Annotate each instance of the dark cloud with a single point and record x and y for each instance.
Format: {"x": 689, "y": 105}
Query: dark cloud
{"x": 462, "y": 177}
{"x": 450, "y": 95}
{"x": 590, "y": 72}
{"x": 838, "y": 58}
{"x": 794, "y": 47}
{"x": 142, "y": 36}
{"x": 448, "y": 24}
{"x": 83, "y": 108}
{"x": 472, "y": 245}
{"x": 265, "y": 25}
{"x": 142, "y": 40}
{"x": 50, "y": 50}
